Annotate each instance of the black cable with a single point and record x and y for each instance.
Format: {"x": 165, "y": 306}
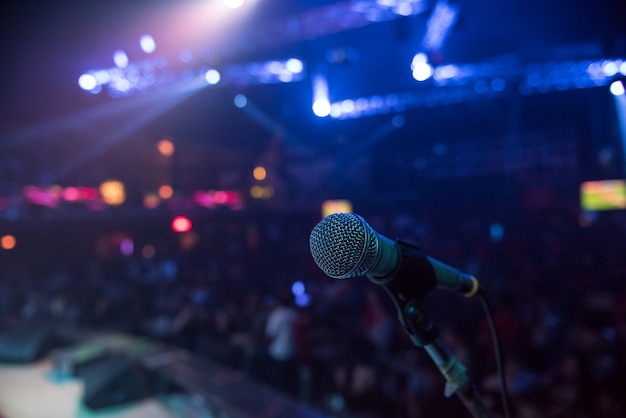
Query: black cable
{"x": 504, "y": 391}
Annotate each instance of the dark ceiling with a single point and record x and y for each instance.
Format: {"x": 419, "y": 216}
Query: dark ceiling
{"x": 47, "y": 45}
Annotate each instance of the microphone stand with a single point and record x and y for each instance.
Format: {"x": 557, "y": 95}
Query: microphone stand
{"x": 457, "y": 381}
{"x": 407, "y": 293}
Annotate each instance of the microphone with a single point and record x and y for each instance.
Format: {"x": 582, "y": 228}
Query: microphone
{"x": 343, "y": 245}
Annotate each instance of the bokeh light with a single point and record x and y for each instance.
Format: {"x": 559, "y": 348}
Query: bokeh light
{"x": 8, "y": 242}
{"x": 166, "y": 147}
{"x": 259, "y": 173}
{"x": 148, "y": 251}
{"x": 113, "y": 192}
{"x": 212, "y": 77}
{"x": 617, "y": 88}
{"x": 147, "y": 43}
{"x": 87, "y": 82}
{"x": 120, "y": 59}
{"x": 181, "y": 224}
{"x": 240, "y": 101}
{"x": 166, "y": 191}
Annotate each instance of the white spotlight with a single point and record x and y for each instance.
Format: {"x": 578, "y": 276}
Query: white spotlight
{"x": 147, "y": 44}
{"x": 321, "y": 101}
{"x": 617, "y": 88}
{"x": 120, "y": 59}
{"x": 321, "y": 107}
{"x": 234, "y": 4}
{"x": 294, "y": 65}
{"x": 422, "y": 70}
{"x": 212, "y": 77}
{"x": 87, "y": 82}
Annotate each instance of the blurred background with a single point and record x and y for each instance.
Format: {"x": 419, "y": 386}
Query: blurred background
{"x": 162, "y": 164}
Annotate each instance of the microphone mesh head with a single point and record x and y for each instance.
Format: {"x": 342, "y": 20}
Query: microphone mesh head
{"x": 343, "y": 245}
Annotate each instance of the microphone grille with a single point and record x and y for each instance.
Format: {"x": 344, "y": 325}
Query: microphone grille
{"x": 343, "y": 245}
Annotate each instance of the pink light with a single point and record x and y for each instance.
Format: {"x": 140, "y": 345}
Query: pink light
{"x": 127, "y": 247}
{"x": 181, "y": 224}
{"x": 204, "y": 199}
{"x": 220, "y": 197}
{"x": 71, "y": 194}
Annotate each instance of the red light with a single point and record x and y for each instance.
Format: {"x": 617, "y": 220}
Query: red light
{"x": 88, "y": 193}
{"x": 181, "y": 224}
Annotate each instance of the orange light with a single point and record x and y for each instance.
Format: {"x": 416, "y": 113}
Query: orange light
{"x": 181, "y": 224}
{"x": 8, "y": 242}
{"x": 166, "y": 147}
{"x": 166, "y": 191}
{"x": 259, "y": 173}
{"x": 336, "y": 206}
{"x": 113, "y": 192}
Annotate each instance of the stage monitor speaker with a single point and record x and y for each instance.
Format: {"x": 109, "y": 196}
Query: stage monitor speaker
{"x": 26, "y": 344}
{"x": 113, "y": 381}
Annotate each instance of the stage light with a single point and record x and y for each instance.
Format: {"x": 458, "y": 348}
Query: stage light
{"x": 321, "y": 108}
{"x": 181, "y": 224}
{"x": 120, "y": 59}
{"x": 335, "y": 110}
{"x": 8, "y": 242}
{"x": 617, "y": 88}
{"x": 147, "y": 44}
{"x": 259, "y": 173}
{"x": 294, "y": 65}
{"x": 212, "y": 77}
{"x": 622, "y": 68}
{"x": 321, "y": 102}
{"x": 274, "y": 67}
{"x": 422, "y": 70}
{"x": 166, "y": 147}
{"x": 347, "y": 106}
{"x": 166, "y": 191}
{"x": 610, "y": 68}
{"x": 113, "y": 192}
{"x": 234, "y": 4}
{"x": 240, "y": 101}
{"x": 87, "y": 82}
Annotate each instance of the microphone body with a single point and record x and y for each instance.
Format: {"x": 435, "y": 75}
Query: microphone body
{"x": 344, "y": 245}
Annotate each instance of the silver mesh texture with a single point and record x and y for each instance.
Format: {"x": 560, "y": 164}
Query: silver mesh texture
{"x": 343, "y": 245}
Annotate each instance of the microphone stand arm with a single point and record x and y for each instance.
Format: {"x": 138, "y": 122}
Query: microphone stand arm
{"x": 407, "y": 293}
{"x": 457, "y": 381}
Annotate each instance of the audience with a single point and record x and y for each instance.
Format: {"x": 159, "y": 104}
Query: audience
{"x": 557, "y": 287}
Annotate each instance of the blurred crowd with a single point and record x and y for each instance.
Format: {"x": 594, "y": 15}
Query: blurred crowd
{"x": 556, "y": 280}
